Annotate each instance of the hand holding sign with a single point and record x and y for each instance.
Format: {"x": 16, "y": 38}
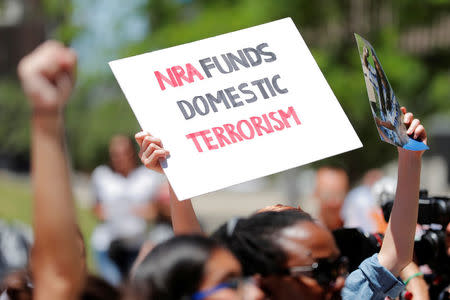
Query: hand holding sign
{"x": 151, "y": 151}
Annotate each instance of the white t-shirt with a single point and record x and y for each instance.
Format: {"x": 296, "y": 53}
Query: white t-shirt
{"x": 118, "y": 195}
{"x": 358, "y": 208}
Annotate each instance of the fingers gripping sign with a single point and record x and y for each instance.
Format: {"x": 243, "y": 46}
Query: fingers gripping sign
{"x": 151, "y": 151}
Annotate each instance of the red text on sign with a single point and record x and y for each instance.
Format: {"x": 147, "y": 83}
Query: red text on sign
{"x": 176, "y": 76}
{"x": 228, "y": 134}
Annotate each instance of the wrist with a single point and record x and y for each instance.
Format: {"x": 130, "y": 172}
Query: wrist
{"x": 42, "y": 111}
{"x": 47, "y": 120}
{"x": 409, "y": 154}
{"x": 413, "y": 277}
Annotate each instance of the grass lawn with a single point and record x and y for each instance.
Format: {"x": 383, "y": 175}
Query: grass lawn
{"x": 15, "y": 204}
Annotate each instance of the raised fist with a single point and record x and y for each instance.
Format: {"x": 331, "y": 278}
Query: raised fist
{"x": 48, "y": 76}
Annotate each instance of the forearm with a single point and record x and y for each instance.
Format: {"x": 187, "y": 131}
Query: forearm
{"x": 398, "y": 244}
{"x": 56, "y": 249}
{"x": 184, "y": 220}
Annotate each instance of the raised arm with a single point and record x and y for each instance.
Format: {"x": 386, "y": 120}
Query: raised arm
{"x": 184, "y": 220}
{"x": 47, "y": 76}
{"x": 398, "y": 245}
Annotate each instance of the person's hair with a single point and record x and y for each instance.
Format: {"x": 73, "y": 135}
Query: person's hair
{"x": 173, "y": 270}
{"x": 253, "y": 240}
{"x": 96, "y": 288}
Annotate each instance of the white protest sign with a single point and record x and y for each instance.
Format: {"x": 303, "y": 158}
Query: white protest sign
{"x": 235, "y": 107}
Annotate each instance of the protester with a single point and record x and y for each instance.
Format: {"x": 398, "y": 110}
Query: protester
{"x": 376, "y": 276}
{"x": 47, "y": 76}
{"x": 58, "y": 257}
{"x": 282, "y": 247}
{"x": 332, "y": 185}
{"x": 126, "y": 200}
{"x": 191, "y": 267}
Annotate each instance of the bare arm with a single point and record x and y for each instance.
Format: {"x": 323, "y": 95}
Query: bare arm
{"x": 47, "y": 79}
{"x": 184, "y": 220}
{"x": 398, "y": 245}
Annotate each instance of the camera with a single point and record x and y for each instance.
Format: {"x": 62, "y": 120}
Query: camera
{"x": 432, "y": 210}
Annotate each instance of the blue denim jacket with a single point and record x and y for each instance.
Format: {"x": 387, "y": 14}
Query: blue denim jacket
{"x": 371, "y": 281}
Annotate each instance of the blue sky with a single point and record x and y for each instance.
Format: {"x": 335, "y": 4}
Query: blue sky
{"x": 106, "y": 24}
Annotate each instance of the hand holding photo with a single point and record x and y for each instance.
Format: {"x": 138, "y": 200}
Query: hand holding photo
{"x": 383, "y": 103}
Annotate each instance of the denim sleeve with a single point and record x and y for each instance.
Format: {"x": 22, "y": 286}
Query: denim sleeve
{"x": 371, "y": 281}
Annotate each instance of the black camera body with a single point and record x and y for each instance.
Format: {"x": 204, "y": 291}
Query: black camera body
{"x": 431, "y": 249}
{"x": 432, "y": 210}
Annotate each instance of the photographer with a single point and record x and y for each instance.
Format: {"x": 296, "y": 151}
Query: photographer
{"x": 376, "y": 277}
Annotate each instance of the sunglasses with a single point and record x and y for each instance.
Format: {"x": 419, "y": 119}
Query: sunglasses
{"x": 324, "y": 270}
{"x": 238, "y": 284}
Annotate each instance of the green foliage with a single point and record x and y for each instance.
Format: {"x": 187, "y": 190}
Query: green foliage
{"x": 439, "y": 93}
{"x": 89, "y": 135}
{"x": 58, "y": 15}
{"x": 14, "y": 116}
{"x": 54, "y": 8}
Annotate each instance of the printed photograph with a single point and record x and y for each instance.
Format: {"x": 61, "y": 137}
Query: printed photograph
{"x": 383, "y": 103}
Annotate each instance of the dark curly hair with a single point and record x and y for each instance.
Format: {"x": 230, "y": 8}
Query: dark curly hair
{"x": 253, "y": 240}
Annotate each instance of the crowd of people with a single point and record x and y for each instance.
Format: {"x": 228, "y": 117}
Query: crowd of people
{"x": 279, "y": 252}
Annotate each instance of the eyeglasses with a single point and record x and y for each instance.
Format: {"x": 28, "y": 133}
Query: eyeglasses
{"x": 238, "y": 284}
{"x": 324, "y": 270}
